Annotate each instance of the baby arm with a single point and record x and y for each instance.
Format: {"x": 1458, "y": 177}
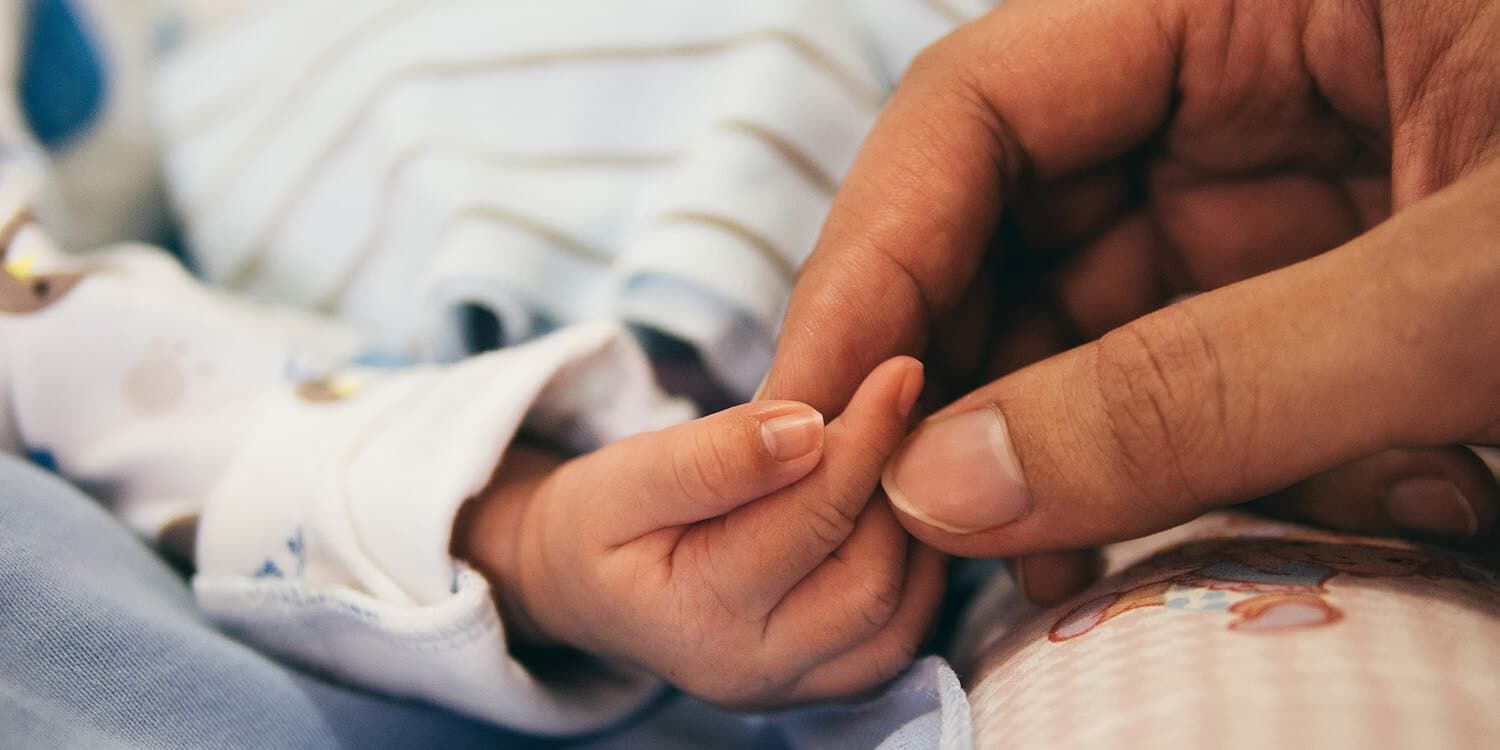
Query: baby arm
{"x": 321, "y": 494}
{"x": 739, "y": 555}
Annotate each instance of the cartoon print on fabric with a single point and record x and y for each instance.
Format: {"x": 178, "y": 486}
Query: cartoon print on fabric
{"x": 21, "y": 290}
{"x": 158, "y": 382}
{"x": 289, "y": 567}
{"x": 327, "y": 390}
{"x": 315, "y": 384}
{"x": 1268, "y": 585}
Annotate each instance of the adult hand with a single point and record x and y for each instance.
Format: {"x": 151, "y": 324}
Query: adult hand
{"x": 1054, "y": 173}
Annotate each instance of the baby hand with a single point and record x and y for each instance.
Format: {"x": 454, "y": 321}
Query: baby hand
{"x": 738, "y": 555}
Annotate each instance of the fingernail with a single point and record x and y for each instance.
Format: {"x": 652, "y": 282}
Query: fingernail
{"x": 1432, "y": 505}
{"x": 911, "y": 388}
{"x": 1490, "y": 457}
{"x": 792, "y": 436}
{"x": 959, "y": 474}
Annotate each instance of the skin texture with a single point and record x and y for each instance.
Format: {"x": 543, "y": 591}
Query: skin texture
{"x": 693, "y": 552}
{"x": 1047, "y": 181}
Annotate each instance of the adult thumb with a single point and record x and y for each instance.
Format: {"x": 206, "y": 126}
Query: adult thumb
{"x": 1226, "y": 396}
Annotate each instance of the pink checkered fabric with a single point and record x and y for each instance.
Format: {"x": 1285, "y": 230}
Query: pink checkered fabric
{"x": 1283, "y": 637}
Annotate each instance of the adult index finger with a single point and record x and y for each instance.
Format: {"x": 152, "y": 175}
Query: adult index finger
{"x": 1034, "y": 89}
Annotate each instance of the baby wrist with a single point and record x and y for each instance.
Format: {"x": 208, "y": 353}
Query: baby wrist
{"x": 489, "y": 533}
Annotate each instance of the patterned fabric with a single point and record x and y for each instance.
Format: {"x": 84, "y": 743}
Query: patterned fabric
{"x": 1236, "y": 633}
{"x": 666, "y": 163}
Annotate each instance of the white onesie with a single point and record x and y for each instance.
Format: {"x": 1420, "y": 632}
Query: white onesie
{"x": 324, "y": 491}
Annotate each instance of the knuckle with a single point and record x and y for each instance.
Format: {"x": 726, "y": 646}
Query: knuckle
{"x": 830, "y": 523}
{"x": 876, "y": 599}
{"x": 700, "y": 471}
{"x": 1164, "y": 399}
{"x": 949, "y": 75}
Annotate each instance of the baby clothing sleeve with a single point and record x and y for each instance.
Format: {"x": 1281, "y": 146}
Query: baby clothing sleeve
{"x": 404, "y": 165}
{"x": 324, "y": 491}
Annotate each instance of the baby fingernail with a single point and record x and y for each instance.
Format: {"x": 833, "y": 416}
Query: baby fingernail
{"x": 794, "y": 435}
{"x": 911, "y": 388}
{"x": 959, "y": 474}
{"x": 1433, "y": 505}
{"x": 1490, "y": 457}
